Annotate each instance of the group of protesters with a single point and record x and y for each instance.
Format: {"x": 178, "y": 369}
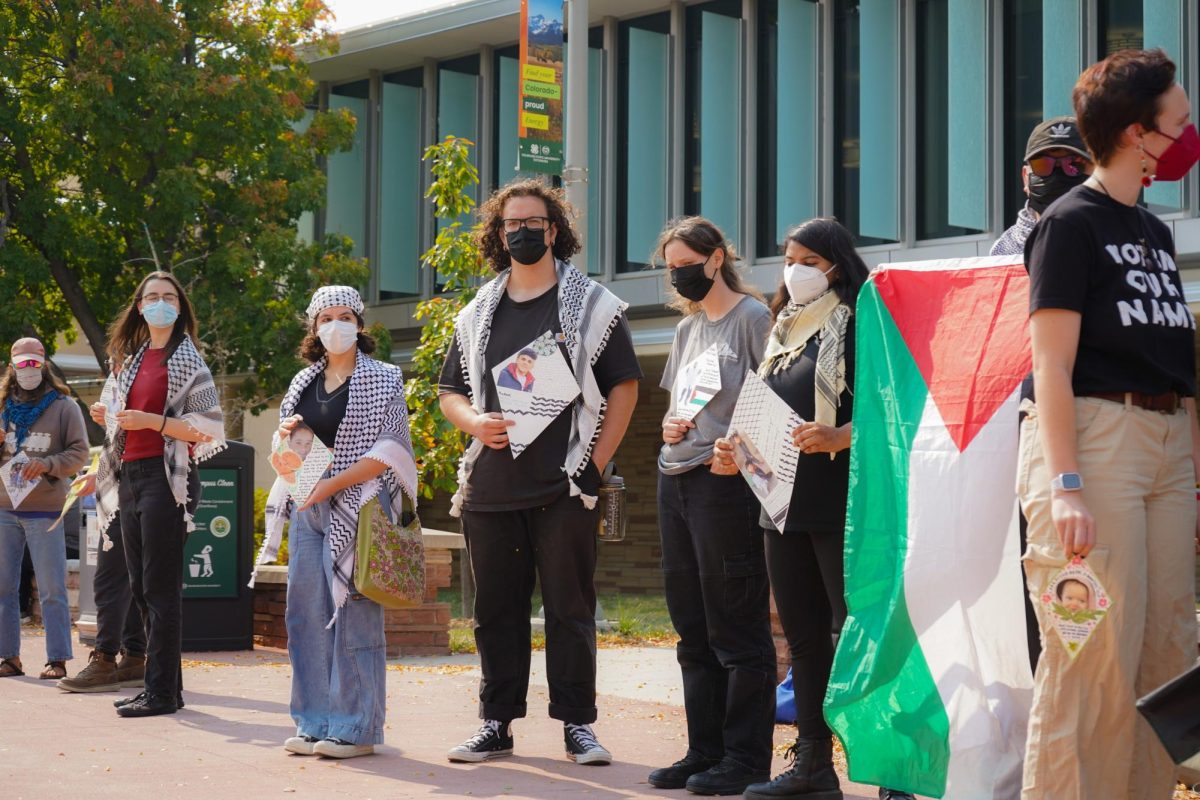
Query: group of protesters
{"x": 1108, "y": 458}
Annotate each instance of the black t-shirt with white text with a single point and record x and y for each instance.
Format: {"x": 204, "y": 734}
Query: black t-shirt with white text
{"x": 498, "y": 481}
{"x": 1137, "y": 333}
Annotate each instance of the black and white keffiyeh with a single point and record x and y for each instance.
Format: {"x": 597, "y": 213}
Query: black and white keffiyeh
{"x": 192, "y": 398}
{"x": 329, "y": 296}
{"x": 375, "y": 427}
{"x": 587, "y": 313}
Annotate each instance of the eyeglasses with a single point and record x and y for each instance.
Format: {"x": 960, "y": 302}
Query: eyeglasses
{"x": 27, "y": 363}
{"x": 170, "y": 297}
{"x": 532, "y": 223}
{"x": 1072, "y": 166}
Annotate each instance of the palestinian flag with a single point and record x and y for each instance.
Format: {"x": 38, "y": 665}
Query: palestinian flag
{"x": 931, "y": 685}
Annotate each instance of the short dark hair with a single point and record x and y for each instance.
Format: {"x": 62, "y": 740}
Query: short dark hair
{"x": 829, "y": 239}
{"x": 528, "y": 352}
{"x": 313, "y": 349}
{"x": 1115, "y": 93}
{"x": 490, "y": 236}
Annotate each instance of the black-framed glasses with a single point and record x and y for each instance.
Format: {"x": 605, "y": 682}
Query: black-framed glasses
{"x": 536, "y": 224}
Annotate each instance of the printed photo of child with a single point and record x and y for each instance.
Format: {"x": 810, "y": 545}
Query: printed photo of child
{"x": 290, "y": 454}
{"x": 1074, "y": 595}
{"x": 518, "y": 374}
{"x": 753, "y": 466}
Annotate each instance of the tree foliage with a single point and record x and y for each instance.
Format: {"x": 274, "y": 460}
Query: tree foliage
{"x": 144, "y": 132}
{"x": 456, "y": 261}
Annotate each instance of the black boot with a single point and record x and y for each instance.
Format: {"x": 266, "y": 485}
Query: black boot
{"x": 728, "y": 777}
{"x": 810, "y": 775}
{"x": 676, "y": 776}
{"x": 148, "y": 705}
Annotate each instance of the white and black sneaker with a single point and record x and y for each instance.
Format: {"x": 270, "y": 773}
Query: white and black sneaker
{"x": 492, "y": 740}
{"x": 582, "y": 746}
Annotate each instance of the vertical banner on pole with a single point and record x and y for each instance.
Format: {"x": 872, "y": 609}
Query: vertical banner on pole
{"x": 540, "y": 126}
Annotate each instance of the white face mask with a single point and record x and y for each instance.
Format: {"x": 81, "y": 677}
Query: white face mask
{"x": 338, "y": 336}
{"x": 29, "y": 378}
{"x": 805, "y": 283}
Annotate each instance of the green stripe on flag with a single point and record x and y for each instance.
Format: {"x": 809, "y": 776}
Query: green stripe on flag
{"x": 882, "y": 700}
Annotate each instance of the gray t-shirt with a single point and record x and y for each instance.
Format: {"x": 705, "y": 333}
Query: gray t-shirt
{"x": 741, "y": 336}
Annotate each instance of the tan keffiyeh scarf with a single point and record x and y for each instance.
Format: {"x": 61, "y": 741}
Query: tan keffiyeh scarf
{"x": 794, "y": 328}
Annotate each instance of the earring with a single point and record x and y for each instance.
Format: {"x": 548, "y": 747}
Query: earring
{"x": 1146, "y": 180}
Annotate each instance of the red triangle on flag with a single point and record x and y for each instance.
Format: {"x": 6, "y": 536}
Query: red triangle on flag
{"x": 968, "y": 332}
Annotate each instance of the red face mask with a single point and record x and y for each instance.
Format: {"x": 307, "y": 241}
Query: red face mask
{"x": 1179, "y": 157}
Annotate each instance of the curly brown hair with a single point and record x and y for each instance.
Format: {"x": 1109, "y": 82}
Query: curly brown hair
{"x": 490, "y": 237}
{"x": 312, "y": 349}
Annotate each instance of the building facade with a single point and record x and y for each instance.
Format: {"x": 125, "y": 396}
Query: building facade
{"x": 905, "y": 119}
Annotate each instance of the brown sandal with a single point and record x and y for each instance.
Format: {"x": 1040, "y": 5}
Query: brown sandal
{"x": 10, "y": 668}
{"x": 54, "y": 671}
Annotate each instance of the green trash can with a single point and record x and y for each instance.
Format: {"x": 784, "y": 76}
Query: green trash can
{"x": 218, "y": 607}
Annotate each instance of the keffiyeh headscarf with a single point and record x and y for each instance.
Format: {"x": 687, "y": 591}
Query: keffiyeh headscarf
{"x": 794, "y": 327}
{"x": 329, "y": 296}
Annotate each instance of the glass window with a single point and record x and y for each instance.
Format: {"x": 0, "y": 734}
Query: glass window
{"x": 1022, "y": 94}
{"x": 400, "y": 186}
{"x": 789, "y": 118}
{"x": 644, "y": 137}
{"x": 952, "y": 118}
{"x": 1125, "y": 24}
{"x": 713, "y": 105}
{"x": 346, "y": 190}
{"x": 866, "y": 118}
{"x": 507, "y": 111}
{"x": 458, "y": 108}
{"x": 306, "y": 225}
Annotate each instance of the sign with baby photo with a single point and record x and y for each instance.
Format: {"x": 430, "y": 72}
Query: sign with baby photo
{"x": 301, "y": 460}
{"x": 1075, "y": 603}
{"x": 534, "y": 385}
{"x": 697, "y": 383}
{"x": 18, "y": 487}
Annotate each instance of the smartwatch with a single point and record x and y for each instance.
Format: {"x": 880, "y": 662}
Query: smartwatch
{"x": 1067, "y": 482}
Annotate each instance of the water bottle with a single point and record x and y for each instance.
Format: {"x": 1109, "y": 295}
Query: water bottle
{"x": 612, "y": 506}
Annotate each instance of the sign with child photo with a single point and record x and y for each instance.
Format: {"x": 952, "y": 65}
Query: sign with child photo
{"x": 1075, "y": 603}
{"x": 534, "y": 385}
{"x": 301, "y": 460}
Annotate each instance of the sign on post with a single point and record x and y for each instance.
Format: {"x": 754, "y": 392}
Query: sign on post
{"x": 210, "y": 554}
{"x": 540, "y": 123}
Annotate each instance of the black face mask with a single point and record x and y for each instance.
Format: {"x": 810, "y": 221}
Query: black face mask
{"x": 691, "y": 282}
{"x": 526, "y": 247}
{"x": 1044, "y": 191}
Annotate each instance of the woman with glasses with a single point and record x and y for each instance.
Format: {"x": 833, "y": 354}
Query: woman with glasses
{"x": 529, "y": 509}
{"x": 712, "y": 544}
{"x": 1109, "y": 454}
{"x": 163, "y": 413}
{"x": 44, "y": 444}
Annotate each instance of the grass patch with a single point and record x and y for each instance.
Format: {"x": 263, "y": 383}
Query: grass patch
{"x": 637, "y": 621}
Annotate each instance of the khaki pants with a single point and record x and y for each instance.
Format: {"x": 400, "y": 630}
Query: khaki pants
{"x": 1086, "y": 739}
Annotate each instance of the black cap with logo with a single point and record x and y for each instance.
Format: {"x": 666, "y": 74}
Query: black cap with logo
{"x": 1056, "y": 132}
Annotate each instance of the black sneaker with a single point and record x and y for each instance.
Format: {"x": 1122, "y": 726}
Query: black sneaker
{"x": 492, "y": 740}
{"x": 727, "y": 777}
{"x": 124, "y": 701}
{"x": 148, "y": 705}
{"x": 894, "y": 794}
{"x": 676, "y": 776}
{"x": 582, "y": 747}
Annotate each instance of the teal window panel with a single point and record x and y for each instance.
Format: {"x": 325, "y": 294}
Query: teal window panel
{"x": 1062, "y": 54}
{"x": 458, "y": 115}
{"x": 1163, "y": 26}
{"x": 720, "y": 123}
{"x": 967, "y": 115}
{"x": 400, "y": 191}
{"x": 346, "y": 196}
{"x": 648, "y": 144}
{"x": 879, "y": 115}
{"x": 508, "y": 115}
{"x": 797, "y": 121}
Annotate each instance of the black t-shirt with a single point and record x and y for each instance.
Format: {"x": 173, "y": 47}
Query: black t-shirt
{"x": 498, "y": 481}
{"x": 820, "y": 492}
{"x": 323, "y": 412}
{"x": 1137, "y": 333}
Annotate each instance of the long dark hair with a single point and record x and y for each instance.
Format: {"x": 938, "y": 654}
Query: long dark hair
{"x": 702, "y": 236}
{"x": 829, "y": 239}
{"x": 130, "y": 331}
{"x": 10, "y": 388}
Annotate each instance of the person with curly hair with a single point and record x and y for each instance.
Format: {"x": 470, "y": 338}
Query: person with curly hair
{"x": 534, "y": 514}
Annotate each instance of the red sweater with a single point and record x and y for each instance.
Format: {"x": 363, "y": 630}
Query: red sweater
{"x": 148, "y": 393}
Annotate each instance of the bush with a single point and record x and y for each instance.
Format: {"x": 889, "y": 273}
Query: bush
{"x": 260, "y": 527}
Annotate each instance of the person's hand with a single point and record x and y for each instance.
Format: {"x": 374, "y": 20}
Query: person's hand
{"x": 491, "y": 428}
{"x": 324, "y": 490}
{"x": 675, "y": 429}
{"x": 722, "y": 460}
{"x": 138, "y": 420}
{"x": 34, "y": 468}
{"x": 85, "y": 485}
{"x": 288, "y": 424}
{"x": 97, "y": 412}
{"x": 1074, "y": 523}
{"x": 813, "y": 437}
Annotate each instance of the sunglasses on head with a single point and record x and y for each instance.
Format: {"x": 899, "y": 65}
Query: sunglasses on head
{"x": 29, "y": 362}
{"x": 1071, "y": 165}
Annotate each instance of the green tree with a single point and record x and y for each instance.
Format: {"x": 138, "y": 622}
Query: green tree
{"x": 456, "y": 261}
{"x": 136, "y": 133}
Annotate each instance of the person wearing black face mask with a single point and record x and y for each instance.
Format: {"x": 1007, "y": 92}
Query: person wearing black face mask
{"x": 1056, "y": 161}
{"x": 535, "y": 515}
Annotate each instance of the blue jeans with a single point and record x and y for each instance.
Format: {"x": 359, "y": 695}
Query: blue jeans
{"x": 338, "y": 674}
{"x": 48, "y": 550}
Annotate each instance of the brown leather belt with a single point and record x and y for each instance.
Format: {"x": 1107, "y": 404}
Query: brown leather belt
{"x": 1165, "y": 403}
